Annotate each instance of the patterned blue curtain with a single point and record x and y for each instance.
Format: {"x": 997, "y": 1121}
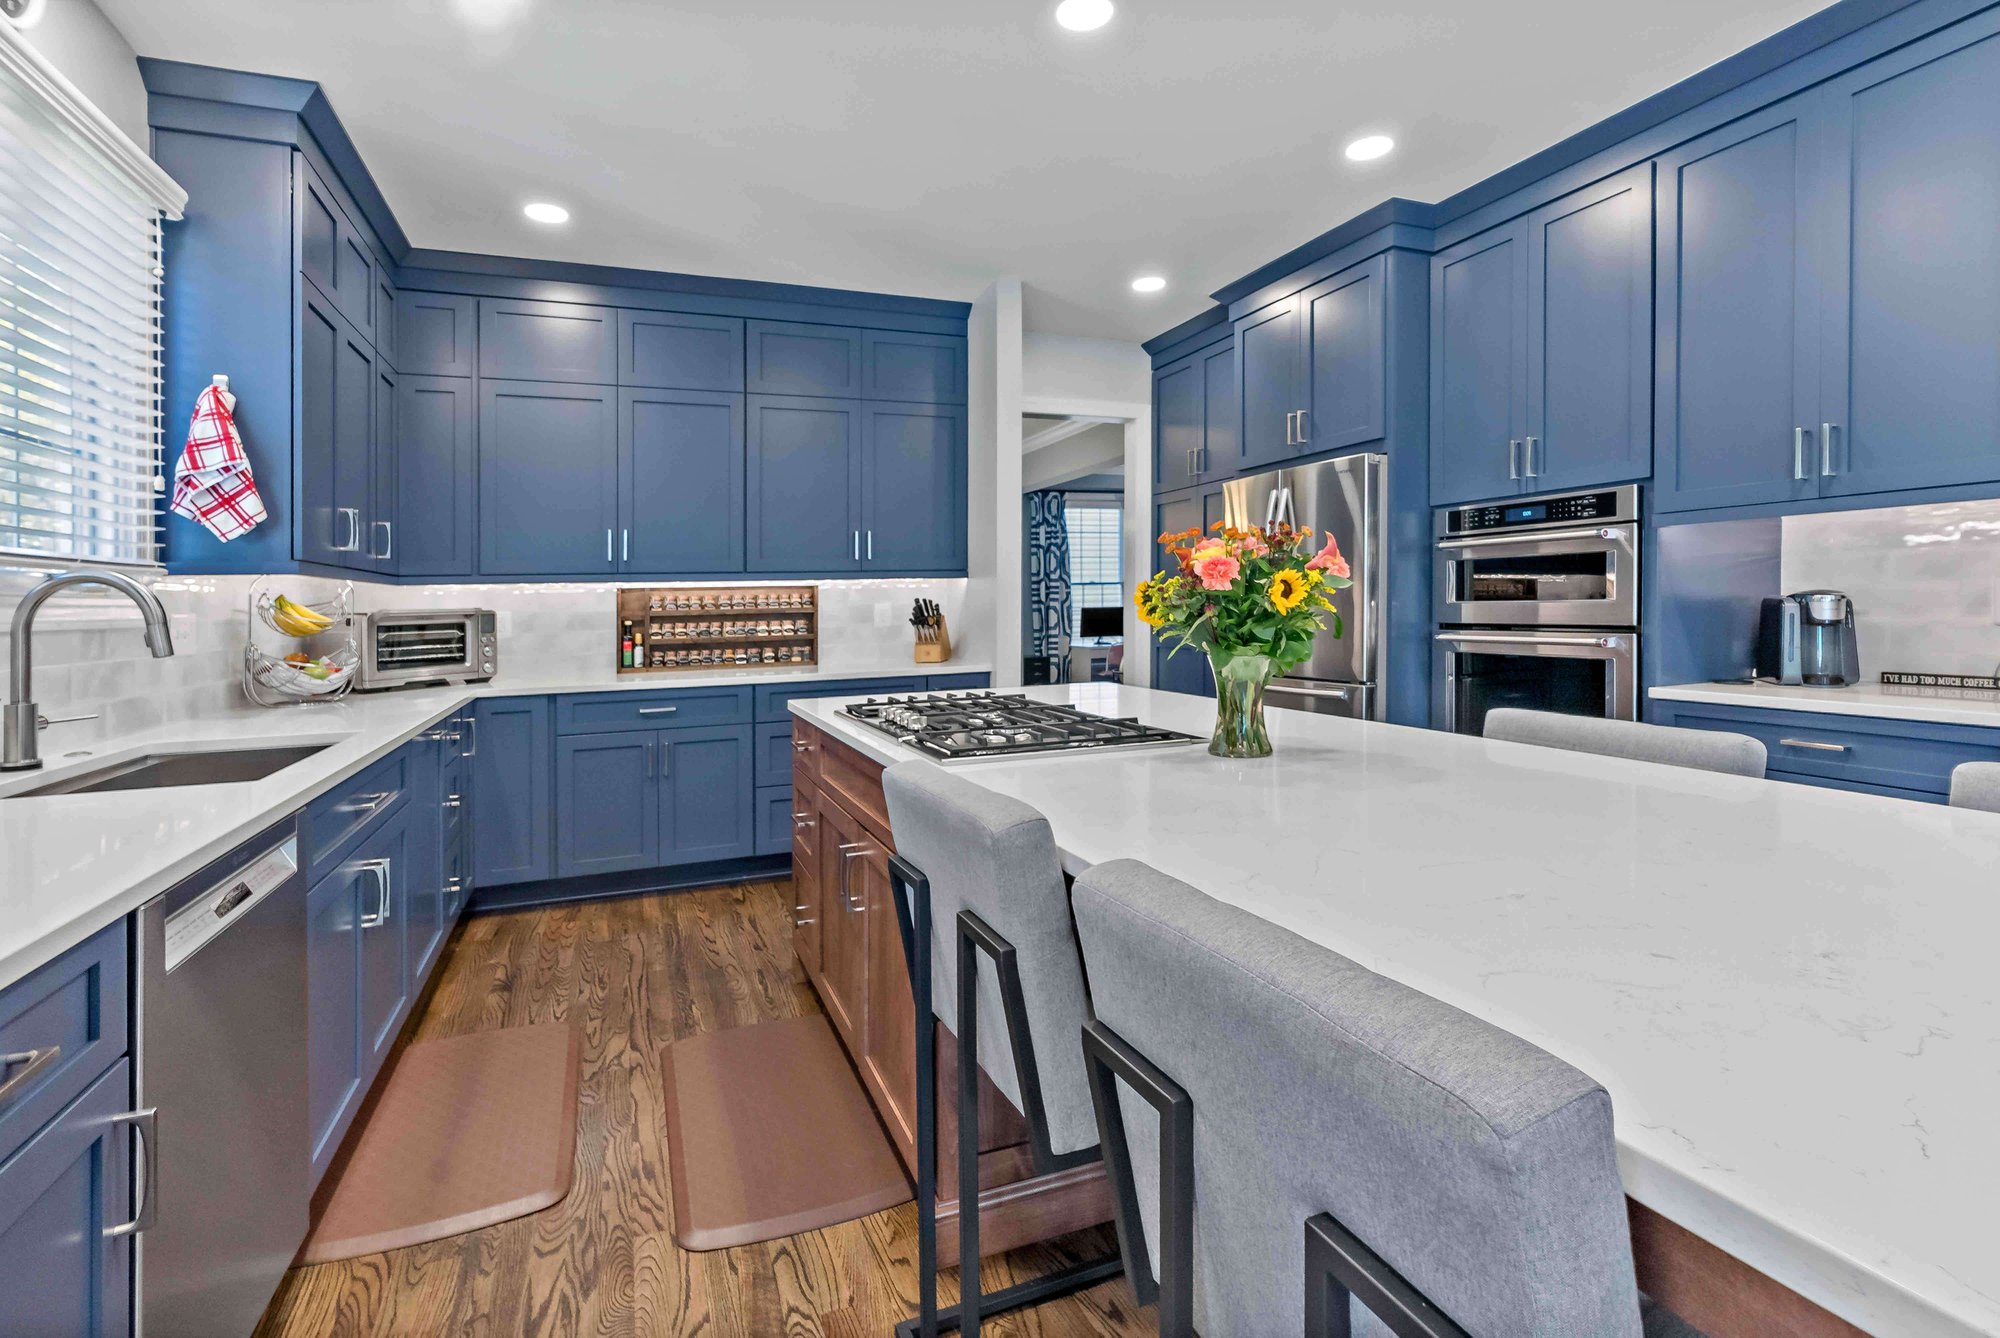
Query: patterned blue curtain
{"x": 1047, "y": 549}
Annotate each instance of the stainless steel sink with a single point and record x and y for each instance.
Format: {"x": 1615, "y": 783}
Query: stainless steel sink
{"x": 157, "y": 771}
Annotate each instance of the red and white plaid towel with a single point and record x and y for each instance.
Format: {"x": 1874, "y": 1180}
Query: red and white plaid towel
{"x": 213, "y": 483}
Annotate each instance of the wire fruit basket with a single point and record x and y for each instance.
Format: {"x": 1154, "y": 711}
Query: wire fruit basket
{"x": 299, "y": 650}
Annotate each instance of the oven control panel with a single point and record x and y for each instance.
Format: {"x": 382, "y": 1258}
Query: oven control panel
{"x": 1610, "y": 504}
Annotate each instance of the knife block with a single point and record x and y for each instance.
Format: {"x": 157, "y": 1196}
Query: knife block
{"x": 936, "y": 652}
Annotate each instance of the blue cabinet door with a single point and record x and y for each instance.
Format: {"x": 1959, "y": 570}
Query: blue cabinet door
{"x": 1221, "y": 416}
{"x": 803, "y": 484}
{"x": 436, "y": 334}
{"x": 787, "y": 358}
{"x": 334, "y": 254}
{"x": 916, "y": 368}
{"x": 548, "y": 478}
{"x": 388, "y": 861}
{"x": 774, "y": 819}
{"x": 607, "y": 802}
{"x": 1910, "y": 321}
{"x": 388, "y": 323}
{"x": 424, "y": 875}
{"x": 705, "y": 783}
{"x": 1736, "y": 335}
{"x": 548, "y": 341}
{"x": 1177, "y": 669}
{"x": 1478, "y": 365}
{"x": 1268, "y": 383}
{"x": 1178, "y": 421}
{"x": 1346, "y": 333}
{"x": 382, "y": 538}
{"x": 336, "y": 396}
{"x": 672, "y": 350}
{"x": 434, "y": 472}
{"x": 1590, "y": 336}
{"x": 512, "y": 757}
{"x": 333, "y": 1005}
{"x": 59, "y": 1272}
{"x": 680, "y": 457}
{"x": 913, "y": 488}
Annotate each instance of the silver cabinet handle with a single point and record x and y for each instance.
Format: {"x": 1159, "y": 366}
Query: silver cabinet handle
{"x": 658, "y": 710}
{"x": 1513, "y": 458}
{"x": 666, "y": 758}
{"x": 147, "y": 1122}
{"x": 871, "y": 545}
{"x": 804, "y": 820}
{"x": 388, "y": 530}
{"x": 801, "y": 746}
{"x": 1813, "y": 744}
{"x": 1528, "y": 456}
{"x": 35, "y": 1060}
{"x": 849, "y": 852}
{"x": 353, "y": 544}
{"x": 1798, "y": 455}
{"x": 1201, "y": 459}
{"x": 857, "y": 545}
{"x": 454, "y": 884}
{"x": 366, "y": 803}
{"x": 607, "y": 546}
{"x": 1305, "y": 432}
{"x": 624, "y": 545}
{"x": 649, "y": 761}
{"x": 472, "y": 732}
{"x": 380, "y": 869}
{"x": 454, "y": 801}
{"x": 1826, "y": 430}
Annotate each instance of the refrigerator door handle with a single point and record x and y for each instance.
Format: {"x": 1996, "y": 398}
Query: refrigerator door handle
{"x": 1339, "y": 694}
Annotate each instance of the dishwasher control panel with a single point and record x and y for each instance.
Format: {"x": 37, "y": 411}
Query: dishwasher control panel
{"x": 194, "y": 924}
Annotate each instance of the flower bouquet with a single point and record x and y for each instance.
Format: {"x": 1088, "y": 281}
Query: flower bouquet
{"x": 1252, "y": 600}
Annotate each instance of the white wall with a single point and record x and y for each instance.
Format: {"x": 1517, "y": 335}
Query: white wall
{"x": 75, "y": 37}
{"x": 1070, "y": 367}
{"x": 993, "y": 494}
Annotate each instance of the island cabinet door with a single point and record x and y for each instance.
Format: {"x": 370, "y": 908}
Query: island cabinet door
{"x": 607, "y": 802}
{"x": 1479, "y": 294}
{"x": 707, "y": 806}
{"x": 1910, "y": 319}
{"x": 808, "y": 907}
{"x": 843, "y": 929}
{"x": 888, "y": 1047}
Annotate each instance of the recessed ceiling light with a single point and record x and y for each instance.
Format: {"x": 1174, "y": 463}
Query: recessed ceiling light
{"x": 28, "y": 13}
{"x": 1081, "y": 16}
{"x": 543, "y": 212}
{"x": 1370, "y": 147}
{"x": 1148, "y": 283}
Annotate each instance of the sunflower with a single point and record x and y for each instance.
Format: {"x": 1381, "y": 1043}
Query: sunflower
{"x": 1286, "y": 589}
{"x": 1149, "y": 609}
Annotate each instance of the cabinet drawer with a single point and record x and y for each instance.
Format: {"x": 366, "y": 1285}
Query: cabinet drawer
{"x": 1895, "y": 754}
{"x": 774, "y": 819}
{"x": 598, "y": 712}
{"x": 70, "y": 1018}
{"x": 339, "y": 816}
{"x": 774, "y": 701}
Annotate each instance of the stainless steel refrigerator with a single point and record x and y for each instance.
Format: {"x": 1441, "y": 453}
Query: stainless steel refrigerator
{"x": 1347, "y": 497}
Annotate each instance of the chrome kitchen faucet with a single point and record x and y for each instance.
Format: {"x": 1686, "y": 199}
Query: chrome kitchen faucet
{"x": 19, "y": 750}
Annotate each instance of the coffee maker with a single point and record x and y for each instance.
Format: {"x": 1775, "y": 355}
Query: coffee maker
{"x": 1808, "y": 638}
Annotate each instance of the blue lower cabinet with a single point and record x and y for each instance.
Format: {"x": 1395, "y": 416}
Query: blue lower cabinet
{"x": 385, "y": 936}
{"x": 607, "y": 814}
{"x": 705, "y": 795}
{"x": 956, "y": 682}
{"x": 60, "y": 1274}
{"x": 423, "y": 873}
{"x": 72, "y": 1010}
{"x": 513, "y": 828}
{"x": 1905, "y": 759}
{"x": 774, "y": 752}
{"x": 774, "y": 819}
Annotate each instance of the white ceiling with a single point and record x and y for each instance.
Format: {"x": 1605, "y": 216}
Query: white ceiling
{"x": 912, "y": 146}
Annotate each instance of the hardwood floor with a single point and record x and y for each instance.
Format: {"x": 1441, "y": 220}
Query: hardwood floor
{"x": 632, "y": 975}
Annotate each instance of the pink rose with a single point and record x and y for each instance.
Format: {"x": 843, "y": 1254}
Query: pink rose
{"x": 1216, "y": 572}
{"x": 1254, "y": 546}
{"x": 1329, "y": 560}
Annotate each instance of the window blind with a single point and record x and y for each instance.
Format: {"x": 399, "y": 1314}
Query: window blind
{"x": 1095, "y": 569}
{"x": 80, "y": 272}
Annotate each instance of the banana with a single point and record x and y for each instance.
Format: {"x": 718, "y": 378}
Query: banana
{"x": 295, "y": 619}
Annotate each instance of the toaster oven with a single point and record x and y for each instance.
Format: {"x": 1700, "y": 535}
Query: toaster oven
{"x": 402, "y": 647}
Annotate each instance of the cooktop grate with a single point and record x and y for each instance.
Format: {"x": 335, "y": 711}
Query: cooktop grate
{"x": 956, "y": 725}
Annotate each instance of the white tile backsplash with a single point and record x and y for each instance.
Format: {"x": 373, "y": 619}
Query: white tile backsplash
{"x": 1925, "y": 581}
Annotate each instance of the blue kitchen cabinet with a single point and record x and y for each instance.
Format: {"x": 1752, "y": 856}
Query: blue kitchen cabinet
{"x": 705, "y": 782}
{"x": 913, "y": 488}
{"x": 336, "y": 460}
{"x": 388, "y": 318}
{"x": 548, "y": 478}
{"x": 60, "y": 1273}
{"x": 423, "y": 871}
{"x": 433, "y": 478}
{"x": 513, "y": 839}
{"x": 673, "y": 350}
{"x": 607, "y": 810}
{"x": 436, "y": 334}
{"x": 803, "y": 484}
{"x": 774, "y": 819}
{"x": 387, "y": 860}
{"x": 334, "y": 254}
{"x": 1736, "y": 336}
{"x": 548, "y": 341}
{"x": 790, "y": 358}
{"x": 1179, "y": 421}
{"x": 333, "y": 1018}
{"x": 1900, "y": 758}
{"x": 1269, "y": 384}
{"x": 680, "y": 466}
{"x": 381, "y": 539}
{"x": 1221, "y": 414}
{"x": 1175, "y": 668}
{"x": 1344, "y": 383}
{"x": 911, "y": 367}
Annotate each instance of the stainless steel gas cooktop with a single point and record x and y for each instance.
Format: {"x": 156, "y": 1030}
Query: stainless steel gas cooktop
{"x": 956, "y": 725}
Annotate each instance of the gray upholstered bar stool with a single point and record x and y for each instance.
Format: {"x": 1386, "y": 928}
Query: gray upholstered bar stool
{"x": 1976, "y": 785}
{"x": 1703, "y": 749}
{"x": 977, "y": 874}
{"x": 1424, "y": 1172}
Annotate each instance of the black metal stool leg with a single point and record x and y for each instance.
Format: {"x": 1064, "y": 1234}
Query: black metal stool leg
{"x": 968, "y": 1138}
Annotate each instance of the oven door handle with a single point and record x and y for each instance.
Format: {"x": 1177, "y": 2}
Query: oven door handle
{"x": 1534, "y": 536}
{"x": 1530, "y": 639}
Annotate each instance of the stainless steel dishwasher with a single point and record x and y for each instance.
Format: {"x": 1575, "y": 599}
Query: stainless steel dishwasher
{"x": 221, "y": 1027}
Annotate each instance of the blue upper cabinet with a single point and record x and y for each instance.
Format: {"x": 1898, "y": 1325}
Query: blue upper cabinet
{"x": 1737, "y": 339}
{"x": 1177, "y": 424}
{"x": 785, "y": 358}
{"x": 548, "y": 341}
{"x": 380, "y": 552}
{"x": 1345, "y": 384}
{"x": 913, "y": 496}
{"x": 1910, "y": 314}
{"x": 918, "y": 368}
{"x": 1479, "y": 365}
{"x": 388, "y": 318}
{"x": 669, "y": 350}
{"x": 803, "y": 484}
{"x": 548, "y": 478}
{"x": 333, "y": 253}
{"x": 1221, "y": 415}
{"x": 434, "y": 476}
{"x": 436, "y": 334}
{"x": 1590, "y": 336}
{"x": 680, "y": 464}
{"x": 1270, "y": 384}
{"x": 336, "y": 397}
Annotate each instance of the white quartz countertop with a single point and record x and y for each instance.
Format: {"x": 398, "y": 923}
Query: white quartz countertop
{"x": 1938, "y": 706}
{"x": 72, "y": 864}
{"x": 1789, "y": 992}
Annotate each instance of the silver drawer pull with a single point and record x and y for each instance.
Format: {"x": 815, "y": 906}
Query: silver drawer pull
{"x": 804, "y": 820}
{"x": 366, "y": 803}
{"x": 454, "y": 801}
{"x": 801, "y": 746}
{"x": 35, "y": 1061}
{"x": 658, "y": 710}
{"x": 1815, "y": 746}
{"x": 147, "y": 1123}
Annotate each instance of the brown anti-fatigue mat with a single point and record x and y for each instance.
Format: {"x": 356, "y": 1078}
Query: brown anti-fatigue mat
{"x": 769, "y": 1134}
{"x": 467, "y": 1131}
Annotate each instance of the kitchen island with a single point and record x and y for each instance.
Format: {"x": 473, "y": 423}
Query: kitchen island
{"x": 1788, "y": 991}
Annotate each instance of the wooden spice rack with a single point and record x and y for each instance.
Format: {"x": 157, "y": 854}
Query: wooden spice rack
{"x": 706, "y": 628}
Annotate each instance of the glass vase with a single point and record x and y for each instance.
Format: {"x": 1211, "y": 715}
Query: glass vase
{"x": 1240, "y": 679}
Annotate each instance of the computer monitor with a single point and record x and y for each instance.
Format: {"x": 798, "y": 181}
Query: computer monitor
{"x": 1097, "y": 623}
